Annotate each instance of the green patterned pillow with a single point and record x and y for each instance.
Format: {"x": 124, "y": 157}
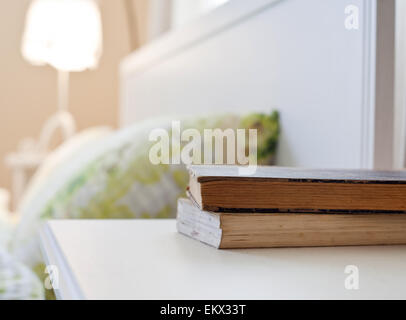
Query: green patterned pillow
{"x": 123, "y": 183}
{"x": 119, "y": 181}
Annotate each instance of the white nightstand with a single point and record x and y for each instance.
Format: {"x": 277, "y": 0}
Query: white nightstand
{"x": 148, "y": 259}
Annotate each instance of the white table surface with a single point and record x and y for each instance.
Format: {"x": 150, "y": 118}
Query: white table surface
{"x": 148, "y": 259}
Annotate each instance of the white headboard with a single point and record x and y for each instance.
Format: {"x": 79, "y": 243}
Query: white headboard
{"x": 293, "y": 55}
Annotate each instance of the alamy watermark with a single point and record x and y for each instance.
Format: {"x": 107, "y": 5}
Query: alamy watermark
{"x": 190, "y": 147}
{"x": 351, "y": 21}
{"x": 52, "y": 279}
{"x": 351, "y": 281}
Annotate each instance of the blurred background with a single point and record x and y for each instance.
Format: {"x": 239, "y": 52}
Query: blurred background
{"x": 29, "y": 94}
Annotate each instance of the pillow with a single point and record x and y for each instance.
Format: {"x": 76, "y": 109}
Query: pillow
{"x": 123, "y": 183}
{"x": 119, "y": 181}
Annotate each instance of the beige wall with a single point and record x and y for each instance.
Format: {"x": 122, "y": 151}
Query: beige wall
{"x": 28, "y": 94}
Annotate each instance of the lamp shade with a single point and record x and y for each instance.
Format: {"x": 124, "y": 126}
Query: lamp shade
{"x": 66, "y": 34}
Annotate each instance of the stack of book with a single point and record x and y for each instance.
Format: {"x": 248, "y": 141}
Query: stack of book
{"x": 289, "y": 207}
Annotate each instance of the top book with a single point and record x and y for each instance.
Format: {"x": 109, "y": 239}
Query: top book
{"x": 221, "y": 188}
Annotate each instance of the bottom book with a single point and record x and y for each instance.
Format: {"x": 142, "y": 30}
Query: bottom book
{"x": 265, "y": 230}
